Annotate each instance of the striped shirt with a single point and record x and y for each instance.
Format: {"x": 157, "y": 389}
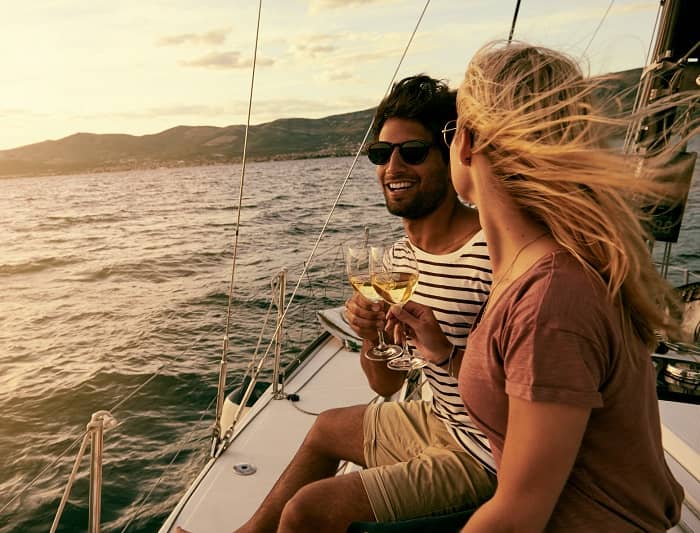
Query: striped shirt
{"x": 454, "y": 286}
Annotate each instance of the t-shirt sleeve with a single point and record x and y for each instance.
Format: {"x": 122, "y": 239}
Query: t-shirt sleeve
{"x": 555, "y": 353}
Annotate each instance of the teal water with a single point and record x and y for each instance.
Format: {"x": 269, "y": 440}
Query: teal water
{"x": 113, "y": 280}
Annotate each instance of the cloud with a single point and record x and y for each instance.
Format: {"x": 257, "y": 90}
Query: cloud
{"x": 172, "y": 111}
{"x": 318, "y": 5}
{"x": 581, "y": 15}
{"x": 633, "y": 8}
{"x": 267, "y": 110}
{"x": 217, "y": 36}
{"x": 312, "y": 50}
{"x": 224, "y": 60}
{"x": 340, "y": 47}
{"x": 338, "y": 75}
{"x": 10, "y": 113}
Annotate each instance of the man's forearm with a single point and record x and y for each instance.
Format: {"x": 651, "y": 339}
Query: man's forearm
{"x": 382, "y": 379}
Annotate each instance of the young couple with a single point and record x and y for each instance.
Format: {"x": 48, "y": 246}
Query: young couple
{"x": 556, "y": 382}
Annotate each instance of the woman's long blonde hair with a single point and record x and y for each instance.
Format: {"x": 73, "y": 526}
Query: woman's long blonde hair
{"x": 534, "y": 115}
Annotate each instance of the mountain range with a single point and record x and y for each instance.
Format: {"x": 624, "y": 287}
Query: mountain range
{"x": 293, "y": 138}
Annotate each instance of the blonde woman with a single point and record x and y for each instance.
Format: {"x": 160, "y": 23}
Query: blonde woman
{"x": 557, "y": 371}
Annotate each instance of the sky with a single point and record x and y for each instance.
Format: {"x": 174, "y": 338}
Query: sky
{"x": 143, "y": 66}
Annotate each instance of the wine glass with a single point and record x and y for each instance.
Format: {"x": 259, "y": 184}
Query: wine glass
{"x": 357, "y": 267}
{"x": 394, "y": 274}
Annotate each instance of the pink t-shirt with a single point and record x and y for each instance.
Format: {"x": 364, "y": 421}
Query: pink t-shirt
{"x": 554, "y": 336}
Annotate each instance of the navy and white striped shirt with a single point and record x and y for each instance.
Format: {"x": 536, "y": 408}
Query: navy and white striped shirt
{"x": 454, "y": 286}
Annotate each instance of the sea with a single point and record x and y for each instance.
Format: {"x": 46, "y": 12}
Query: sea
{"x": 116, "y": 292}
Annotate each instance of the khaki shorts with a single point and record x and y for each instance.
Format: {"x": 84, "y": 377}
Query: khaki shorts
{"x": 415, "y": 467}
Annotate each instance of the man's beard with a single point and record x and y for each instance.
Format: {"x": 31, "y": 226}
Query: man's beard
{"x": 422, "y": 205}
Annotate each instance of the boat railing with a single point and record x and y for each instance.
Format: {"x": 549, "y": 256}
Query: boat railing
{"x": 222, "y": 435}
{"x": 686, "y": 275}
{"x": 100, "y": 422}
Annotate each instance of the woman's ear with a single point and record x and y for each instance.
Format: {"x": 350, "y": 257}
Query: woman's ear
{"x": 464, "y": 147}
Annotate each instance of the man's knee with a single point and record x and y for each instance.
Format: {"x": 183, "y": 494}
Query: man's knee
{"x": 303, "y": 511}
{"x": 333, "y": 427}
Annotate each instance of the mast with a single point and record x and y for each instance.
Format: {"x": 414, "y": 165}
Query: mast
{"x": 674, "y": 67}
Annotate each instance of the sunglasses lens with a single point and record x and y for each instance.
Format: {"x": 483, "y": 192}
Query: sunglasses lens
{"x": 379, "y": 153}
{"x": 414, "y": 152}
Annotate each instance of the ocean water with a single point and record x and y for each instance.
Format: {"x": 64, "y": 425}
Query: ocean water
{"x": 114, "y": 296}
{"x": 110, "y": 279}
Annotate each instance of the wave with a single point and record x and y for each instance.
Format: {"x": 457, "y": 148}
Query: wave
{"x": 38, "y": 265}
{"x": 54, "y": 222}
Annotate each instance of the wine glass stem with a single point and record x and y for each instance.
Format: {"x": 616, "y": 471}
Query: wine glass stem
{"x": 405, "y": 340}
{"x": 380, "y": 335}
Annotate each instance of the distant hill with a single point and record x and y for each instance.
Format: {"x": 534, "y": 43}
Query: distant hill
{"x": 189, "y": 145}
{"x": 294, "y": 138}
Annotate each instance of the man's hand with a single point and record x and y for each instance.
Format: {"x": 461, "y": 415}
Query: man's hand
{"x": 364, "y": 316}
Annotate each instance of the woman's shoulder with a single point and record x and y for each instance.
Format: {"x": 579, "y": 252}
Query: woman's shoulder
{"x": 558, "y": 283}
{"x": 559, "y": 269}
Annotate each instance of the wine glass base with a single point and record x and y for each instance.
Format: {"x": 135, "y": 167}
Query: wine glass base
{"x": 417, "y": 362}
{"x": 390, "y": 351}
{"x": 403, "y": 364}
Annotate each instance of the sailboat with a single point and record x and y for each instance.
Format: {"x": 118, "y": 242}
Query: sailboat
{"x": 252, "y": 445}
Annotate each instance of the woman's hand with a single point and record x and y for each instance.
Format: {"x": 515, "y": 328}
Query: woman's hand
{"x": 423, "y": 328}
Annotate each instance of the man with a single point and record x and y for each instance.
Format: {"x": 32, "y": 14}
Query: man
{"x": 421, "y": 458}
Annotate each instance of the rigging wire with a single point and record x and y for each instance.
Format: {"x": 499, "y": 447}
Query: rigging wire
{"x": 308, "y": 262}
{"x": 632, "y": 128}
{"x": 600, "y": 24}
{"x": 222, "y": 369}
{"x": 515, "y": 18}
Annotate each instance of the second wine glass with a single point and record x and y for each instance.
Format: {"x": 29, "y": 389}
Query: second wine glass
{"x": 357, "y": 266}
{"x": 394, "y": 274}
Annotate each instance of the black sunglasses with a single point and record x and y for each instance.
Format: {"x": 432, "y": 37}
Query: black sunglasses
{"x": 412, "y": 152}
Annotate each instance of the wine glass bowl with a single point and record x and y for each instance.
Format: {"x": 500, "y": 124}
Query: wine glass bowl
{"x": 394, "y": 275}
{"x": 357, "y": 265}
{"x": 395, "y": 287}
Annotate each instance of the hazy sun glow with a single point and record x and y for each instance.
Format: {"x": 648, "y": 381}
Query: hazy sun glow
{"x": 141, "y": 67}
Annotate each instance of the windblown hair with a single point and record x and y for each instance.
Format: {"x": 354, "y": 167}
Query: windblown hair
{"x": 423, "y": 99}
{"x": 534, "y": 115}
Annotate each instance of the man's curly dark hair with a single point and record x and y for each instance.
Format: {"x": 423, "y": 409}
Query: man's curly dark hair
{"x": 423, "y": 99}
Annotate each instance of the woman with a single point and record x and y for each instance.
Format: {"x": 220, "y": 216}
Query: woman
{"x": 557, "y": 370}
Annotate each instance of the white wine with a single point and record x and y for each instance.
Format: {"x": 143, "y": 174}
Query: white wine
{"x": 395, "y": 287}
{"x": 363, "y": 285}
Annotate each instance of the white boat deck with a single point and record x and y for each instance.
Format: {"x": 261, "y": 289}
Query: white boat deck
{"x": 681, "y": 438}
{"x": 222, "y": 499}
{"x": 267, "y": 439}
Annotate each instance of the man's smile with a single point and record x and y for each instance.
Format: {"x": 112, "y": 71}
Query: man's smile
{"x": 399, "y": 185}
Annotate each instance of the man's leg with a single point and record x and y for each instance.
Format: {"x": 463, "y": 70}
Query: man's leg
{"x": 336, "y": 435}
{"x": 328, "y": 506}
